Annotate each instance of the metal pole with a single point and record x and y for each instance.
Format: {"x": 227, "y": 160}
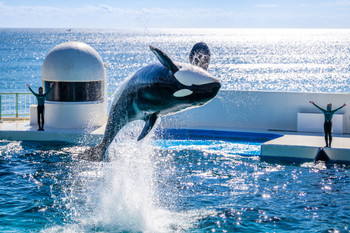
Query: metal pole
{"x": 0, "y": 110}
{"x": 16, "y": 105}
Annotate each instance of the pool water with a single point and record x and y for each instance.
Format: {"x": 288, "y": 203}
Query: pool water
{"x": 177, "y": 184}
{"x": 168, "y": 185}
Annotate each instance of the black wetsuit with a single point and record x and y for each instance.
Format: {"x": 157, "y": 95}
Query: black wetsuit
{"x": 41, "y": 107}
{"x": 327, "y": 126}
{"x": 40, "y": 110}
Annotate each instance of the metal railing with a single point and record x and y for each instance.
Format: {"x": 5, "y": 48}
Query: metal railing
{"x": 16, "y": 105}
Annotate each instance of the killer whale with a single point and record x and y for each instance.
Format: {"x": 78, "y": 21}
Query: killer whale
{"x": 154, "y": 91}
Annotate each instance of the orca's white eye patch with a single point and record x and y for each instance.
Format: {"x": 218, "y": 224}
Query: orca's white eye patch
{"x": 183, "y": 93}
{"x": 193, "y": 77}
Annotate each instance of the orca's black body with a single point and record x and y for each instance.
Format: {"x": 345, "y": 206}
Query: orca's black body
{"x": 154, "y": 91}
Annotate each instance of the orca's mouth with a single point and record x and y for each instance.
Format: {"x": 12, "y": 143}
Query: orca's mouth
{"x": 215, "y": 86}
{"x": 204, "y": 93}
{"x": 211, "y": 89}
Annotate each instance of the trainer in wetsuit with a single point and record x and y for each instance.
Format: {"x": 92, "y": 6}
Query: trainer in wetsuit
{"x": 41, "y": 107}
{"x": 328, "y": 115}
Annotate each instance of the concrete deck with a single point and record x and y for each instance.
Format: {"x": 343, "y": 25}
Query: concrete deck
{"x": 22, "y": 131}
{"x": 306, "y": 147}
{"x": 293, "y": 145}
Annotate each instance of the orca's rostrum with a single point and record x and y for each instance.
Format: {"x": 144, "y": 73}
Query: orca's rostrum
{"x": 153, "y": 91}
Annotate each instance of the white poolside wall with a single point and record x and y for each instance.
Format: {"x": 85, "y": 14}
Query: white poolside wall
{"x": 70, "y": 115}
{"x": 258, "y": 110}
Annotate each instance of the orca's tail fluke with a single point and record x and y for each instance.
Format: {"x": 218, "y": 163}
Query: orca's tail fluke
{"x": 96, "y": 154}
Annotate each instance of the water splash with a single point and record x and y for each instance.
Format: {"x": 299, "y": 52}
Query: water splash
{"x": 127, "y": 198}
{"x": 121, "y": 195}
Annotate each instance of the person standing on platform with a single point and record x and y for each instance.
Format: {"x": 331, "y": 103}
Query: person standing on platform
{"x": 41, "y": 107}
{"x": 328, "y": 115}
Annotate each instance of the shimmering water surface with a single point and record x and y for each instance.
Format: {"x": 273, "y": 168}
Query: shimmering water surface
{"x": 168, "y": 186}
{"x": 177, "y": 185}
{"x": 313, "y": 60}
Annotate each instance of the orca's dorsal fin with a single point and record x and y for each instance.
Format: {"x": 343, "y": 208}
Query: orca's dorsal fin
{"x": 150, "y": 122}
{"x": 164, "y": 59}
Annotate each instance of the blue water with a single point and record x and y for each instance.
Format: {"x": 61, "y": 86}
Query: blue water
{"x": 177, "y": 184}
{"x": 313, "y": 60}
{"x": 168, "y": 186}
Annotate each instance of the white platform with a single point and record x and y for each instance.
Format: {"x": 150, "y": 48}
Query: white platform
{"x": 287, "y": 146}
{"x": 250, "y": 111}
{"x": 306, "y": 147}
{"x": 23, "y": 131}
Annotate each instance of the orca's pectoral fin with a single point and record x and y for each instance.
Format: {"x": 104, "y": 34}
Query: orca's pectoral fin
{"x": 150, "y": 122}
{"x": 164, "y": 59}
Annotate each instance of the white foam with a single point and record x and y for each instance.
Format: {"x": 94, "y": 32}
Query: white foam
{"x": 120, "y": 195}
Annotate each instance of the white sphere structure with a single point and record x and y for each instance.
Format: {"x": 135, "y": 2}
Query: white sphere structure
{"x": 78, "y": 96}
